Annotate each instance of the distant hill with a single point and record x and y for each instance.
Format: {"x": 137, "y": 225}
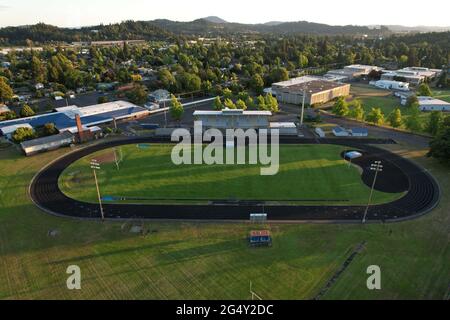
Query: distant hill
{"x": 274, "y": 23}
{"x": 397, "y": 28}
{"x": 42, "y": 33}
{"x": 210, "y": 26}
{"x": 415, "y": 29}
{"x": 206, "y": 27}
{"x": 214, "y": 19}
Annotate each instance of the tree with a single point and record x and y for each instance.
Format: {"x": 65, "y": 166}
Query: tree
{"x": 440, "y": 145}
{"x": 279, "y": 74}
{"x": 227, "y": 94}
{"x": 357, "y": 111}
{"x": 443, "y": 81}
{"x": 228, "y": 103}
{"x": 6, "y": 93}
{"x": 240, "y": 104}
{"x": 218, "y": 104}
{"x": 257, "y": 83}
{"x": 176, "y": 108}
{"x": 243, "y": 95}
{"x": 250, "y": 102}
{"x": 261, "y": 103}
{"x": 50, "y": 129}
{"x": 412, "y": 101}
{"x": 413, "y": 122}
{"x": 376, "y": 116}
{"x": 302, "y": 61}
{"x": 424, "y": 90}
{"x": 271, "y": 103}
{"x": 138, "y": 95}
{"x": 23, "y": 134}
{"x": 433, "y": 125}
{"x": 395, "y": 118}
{"x": 340, "y": 107}
{"x": 102, "y": 99}
{"x": 26, "y": 111}
{"x": 38, "y": 71}
{"x": 167, "y": 79}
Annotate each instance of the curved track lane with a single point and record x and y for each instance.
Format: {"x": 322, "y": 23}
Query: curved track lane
{"x": 422, "y": 195}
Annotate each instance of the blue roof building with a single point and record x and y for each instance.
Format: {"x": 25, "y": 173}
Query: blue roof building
{"x": 64, "y": 118}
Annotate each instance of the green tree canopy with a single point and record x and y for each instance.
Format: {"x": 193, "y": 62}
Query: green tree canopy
{"x": 26, "y": 111}
{"x": 23, "y": 134}
{"x": 357, "y": 111}
{"x": 376, "y": 116}
{"x": 50, "y": 129}
{"x": 6, "y": 92}
{"x": 412, "y": 121}
{"x": 257, "y": 83}
{"x": 228, "y": 103}
{"x": 434, "y": 122}
{"x": 395, "y": 118}
{"x": 271, "y": 103}
{"x": 424, "y": 90}
{"x": 261, "y": 103}
{"x": 138, "y": 95}
{"x": 340, "y": 107}
{"x": 440, "y": 145}
{"x": 176, "y": 109}
{"x": 218, "y": 104}
{"x": 240, "y": 104}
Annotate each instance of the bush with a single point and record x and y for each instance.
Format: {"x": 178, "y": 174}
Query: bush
{"x": 23, "y": 134}
{"x": 26, "y": 111}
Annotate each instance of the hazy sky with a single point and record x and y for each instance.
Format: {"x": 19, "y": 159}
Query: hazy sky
{"x": 338, "y": 12}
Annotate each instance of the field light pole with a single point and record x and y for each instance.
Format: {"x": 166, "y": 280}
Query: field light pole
{"x": 303, "y": 109}
{"x": 96, "y": 166}
{"x": 377, "y": 167}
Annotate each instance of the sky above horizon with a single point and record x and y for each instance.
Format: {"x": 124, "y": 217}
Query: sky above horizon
{"x": 93, "y": 12}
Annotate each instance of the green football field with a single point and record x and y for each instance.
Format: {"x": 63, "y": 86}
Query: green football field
{"x": 307, "y": 174}
{"x": 213, "y": 261}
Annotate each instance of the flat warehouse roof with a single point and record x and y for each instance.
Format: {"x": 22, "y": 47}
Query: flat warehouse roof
{"x": 233, "y": 112}
{"x": 46, "y": 140}
{"x": 314, "y": 86}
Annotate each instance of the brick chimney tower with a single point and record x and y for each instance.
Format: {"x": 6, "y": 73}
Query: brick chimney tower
{"x": 80, "y": 128}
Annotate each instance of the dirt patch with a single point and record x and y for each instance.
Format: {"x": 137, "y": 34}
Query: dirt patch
{"x": 104, "y": 158}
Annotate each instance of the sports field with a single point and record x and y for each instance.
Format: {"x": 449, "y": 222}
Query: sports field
{"x": 212, "y": 261}
{"x": 308, "y": 174}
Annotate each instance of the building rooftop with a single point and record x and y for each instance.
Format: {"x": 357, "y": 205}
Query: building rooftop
{"x": 431, "y": 101}
{"x": 225, "y": 112}
{"x": 92, "y": 115}
{"x": 46, "y": 140}
{"x": 314, "y": 86}
{"x": 294, "y": 81}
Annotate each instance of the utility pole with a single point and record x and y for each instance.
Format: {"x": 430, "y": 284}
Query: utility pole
{"x": 377, "y": 167}
{"x": 303, "y": 109}
{"x": 96, "y": 166}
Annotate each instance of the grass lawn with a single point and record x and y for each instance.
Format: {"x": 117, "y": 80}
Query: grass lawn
{"x": 307, "y": 172}
{"x": 383, "y": 99}
{"x": 442, "y": 94}
{"x": 213, "y": 261}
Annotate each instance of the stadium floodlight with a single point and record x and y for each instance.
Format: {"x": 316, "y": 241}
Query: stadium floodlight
{"x": 96, "y": 166}
{"x": 377, "y": 167}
